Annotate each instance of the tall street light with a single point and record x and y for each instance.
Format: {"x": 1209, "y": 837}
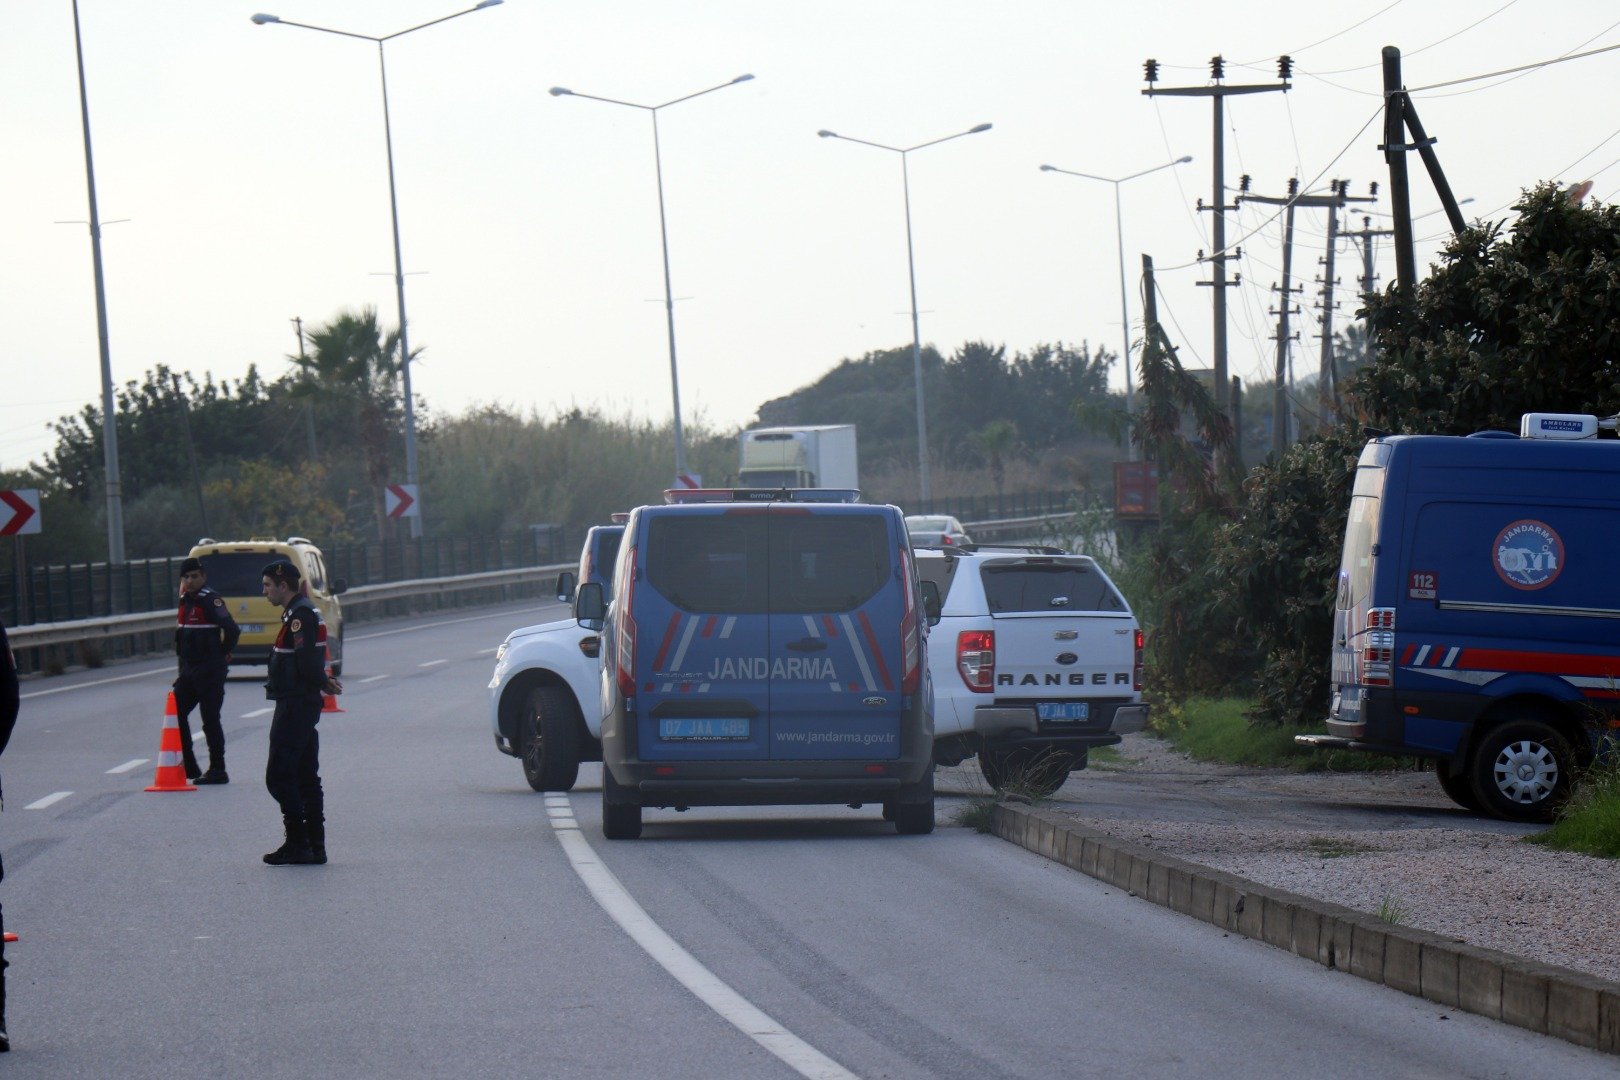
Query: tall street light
{"x": 393, "y": 206}
{"x": 1119, "y": 229}
{"x": 109, "y": 417}
{"x": 663, "y": 235}
{"x": 911, "y": 267}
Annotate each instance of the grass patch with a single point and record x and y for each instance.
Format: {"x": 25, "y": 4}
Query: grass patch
{"x": 1391, "y": 910}
{"x": 1590, "y": 822}
{"x": 1106, "y": 758}
{"x": 1218, "y": 729}
{"x": 978, "y": 814}
{"x": 1331, "y": 847}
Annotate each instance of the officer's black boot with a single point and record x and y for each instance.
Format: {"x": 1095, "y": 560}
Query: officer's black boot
{"x": 295, "y": 852}
{"x": 216, "y": 773}
{"x": 315, "y": 829}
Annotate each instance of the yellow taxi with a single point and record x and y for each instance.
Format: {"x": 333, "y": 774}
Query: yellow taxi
{"x": 235, "y": 570}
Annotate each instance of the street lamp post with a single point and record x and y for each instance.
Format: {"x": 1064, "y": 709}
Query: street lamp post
{"x": 393, "y": 207}
{"x": 911, "y": 269}
{"x": 1124, "y": 311}
{"x": 109, "y": 415}
{"x": 663, "y": 236}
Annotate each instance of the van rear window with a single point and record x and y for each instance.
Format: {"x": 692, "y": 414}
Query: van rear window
{"x": 1356, "y": 567}
{"x": 1048, "y": 587}
{"x": 239, "y": 573}
{"x": 757, "y": 563}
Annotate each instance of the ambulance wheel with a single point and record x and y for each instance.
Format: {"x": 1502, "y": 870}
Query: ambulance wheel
{"x": 914, "y": 807}
{"x": 1522, "y": 771}
{"x": 1456, "y": 785}
{"x": 621, "y": 809}
{"x": 1035, "y": 774}
{"x": 549, "y": 735}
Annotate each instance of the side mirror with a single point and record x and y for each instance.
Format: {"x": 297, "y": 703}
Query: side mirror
{"x": 565, "y": 586}
{"x": 931, "y": 602}
{"x": 339, "y": 586}
{"x": 590, "y": 607}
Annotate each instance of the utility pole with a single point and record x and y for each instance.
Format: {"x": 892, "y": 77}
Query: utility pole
{"x": 1332, "y": 203}
{"x": 191, "y": 452}
{"x": 1327, "y": 377}
{"x": 1365, "y": 237}
{"x": 1218, "y": 92}
{"x": 309, "y": 408}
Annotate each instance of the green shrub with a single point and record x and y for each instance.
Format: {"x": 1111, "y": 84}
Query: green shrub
{"x": 1219, "y": 730}
{"x": 1590, "y": 822}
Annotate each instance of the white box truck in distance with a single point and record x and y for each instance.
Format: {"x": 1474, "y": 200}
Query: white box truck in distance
{"x": 821, "y": 455}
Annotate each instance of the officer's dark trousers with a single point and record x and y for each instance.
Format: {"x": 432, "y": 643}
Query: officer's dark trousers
{"x": 203, "y": 687}
{"x": 293, "y": 772}
{"x": 3, "y": 962}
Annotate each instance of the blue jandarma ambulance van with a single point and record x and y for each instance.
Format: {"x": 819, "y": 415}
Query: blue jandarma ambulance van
{"x": 764, "y": 647}
{"x": 1478, "y": 613}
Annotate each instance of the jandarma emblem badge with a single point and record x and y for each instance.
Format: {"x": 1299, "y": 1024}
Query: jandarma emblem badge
{"x": 1528, "y": 555}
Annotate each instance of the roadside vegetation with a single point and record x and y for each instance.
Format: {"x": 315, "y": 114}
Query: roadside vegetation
{"x": 1590, "y": 822}
{"x": 1219, "y": 729}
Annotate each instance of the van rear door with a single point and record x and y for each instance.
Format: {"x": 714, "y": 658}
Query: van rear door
{"x": 1353, "y": 600}
{"x": 839, "y": 583}
{"x": 702, "y": 650}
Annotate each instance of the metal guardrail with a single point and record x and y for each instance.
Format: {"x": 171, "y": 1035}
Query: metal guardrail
{"x": 148, "y": 622}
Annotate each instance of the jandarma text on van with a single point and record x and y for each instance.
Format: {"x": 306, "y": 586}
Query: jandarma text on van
{"x": 867, "y": 738}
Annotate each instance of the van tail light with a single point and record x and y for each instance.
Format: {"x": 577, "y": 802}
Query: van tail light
{"x": 626, "y": 645}
{"x": 1378, "y": 648}
{"x": 910, "y": 633}
{"x": 976, "y": 659}
{"x": 1136, "y": 665}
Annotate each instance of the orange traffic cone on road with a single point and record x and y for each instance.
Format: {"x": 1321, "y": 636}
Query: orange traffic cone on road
{"x": 171, "y": 773}
{"x": 329, "y": 701}
{"x": 10, "y": 936}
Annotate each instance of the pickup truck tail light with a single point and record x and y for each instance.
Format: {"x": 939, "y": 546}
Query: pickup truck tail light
{"x": 1136, "y": 664}
{"x": 976, "y": 659}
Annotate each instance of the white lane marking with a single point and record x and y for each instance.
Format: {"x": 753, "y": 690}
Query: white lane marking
{"x": 486, "y": 652}
{"x": 732, "y": 1007}
{"x": 433, "y": 663}
{"x": 128, "y": 766}
{"x": 50, "y": 800}
{"x": 259, "y": 712}
{"x": 197, "y": 737}
{"x": 373, "y": 678}
{"x": 98, "y": 682}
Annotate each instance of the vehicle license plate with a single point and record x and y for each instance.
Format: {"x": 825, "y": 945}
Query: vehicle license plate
{"x": 1062, "y": 710}
{"x": 252, "y": 628}
{"x": 704, "y": 730}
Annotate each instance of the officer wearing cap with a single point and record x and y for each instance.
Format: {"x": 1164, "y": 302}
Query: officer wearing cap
{"x": 296, "y": 682}
{"x": 204, "y": 639}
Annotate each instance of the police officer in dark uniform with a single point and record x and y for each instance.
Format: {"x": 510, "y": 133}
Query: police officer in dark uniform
{"x": 204, "y": 639}
{"x": 10, "y": 698}
{"x": 297, "y": 679}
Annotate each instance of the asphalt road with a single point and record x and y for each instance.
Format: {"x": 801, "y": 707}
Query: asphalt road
{"x": 464, "y": 927}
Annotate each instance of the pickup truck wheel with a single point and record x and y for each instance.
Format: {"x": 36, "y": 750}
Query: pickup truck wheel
{"x": 621, "y": 809}
{"x": 1457, "y": 785}
{"x": 1522, "y": 771}
{"x": 1033, "y": 773}
{"x": 549, "y": 735}
{"x": 914, "y": 807}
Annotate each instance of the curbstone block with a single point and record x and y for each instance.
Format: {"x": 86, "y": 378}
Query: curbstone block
{"x": 1277, "y": 922}
{"x": 1251, "y": 918}
{"x": 1335, "y": 947}
{"x": 1609, "y": 1019}
{"x": 1525, "y": 989}
{"x": 1139, "y": 873}
{"x": 1180, "y": 890}
{"x": 1367, "y": 949}
{"x": 1403, "y": 961}
{"x": 1158, "y": 883}
{"x": 1438, "y": 972}
{"x": 1305, "y": 935}
{"x": 1479, "y": 981}
{"x": 1203, "y": 899}
{"x": 1228, "y": 905}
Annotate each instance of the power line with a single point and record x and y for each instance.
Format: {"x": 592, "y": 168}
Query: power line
{"x": 1566, "y": 54}
{"x": 1432, "y": 44}
{"x": 1330, "y": 37}
{"x": 1514, "y": 70}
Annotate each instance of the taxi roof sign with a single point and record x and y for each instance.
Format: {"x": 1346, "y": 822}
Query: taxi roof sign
{"x": 718, "y": 495}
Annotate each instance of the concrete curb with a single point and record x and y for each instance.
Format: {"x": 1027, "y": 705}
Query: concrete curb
{"x": 1569, "y": 1005}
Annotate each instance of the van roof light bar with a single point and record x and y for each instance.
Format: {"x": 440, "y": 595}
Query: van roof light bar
{"x": 678, "y": 496}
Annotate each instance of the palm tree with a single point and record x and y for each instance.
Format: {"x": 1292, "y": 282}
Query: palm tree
{"x": 352, "y": 362}
{"x": 995, "y": 441}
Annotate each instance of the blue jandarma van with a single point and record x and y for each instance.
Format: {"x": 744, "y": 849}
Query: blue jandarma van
{"x": 764, "y": 647}
{"x": 1478, "y": 614}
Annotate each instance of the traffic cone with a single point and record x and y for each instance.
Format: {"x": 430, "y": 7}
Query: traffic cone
{"x": 329, "y": 701}
{"x": 171, "y": 774}
{"x": 10, "y": 937}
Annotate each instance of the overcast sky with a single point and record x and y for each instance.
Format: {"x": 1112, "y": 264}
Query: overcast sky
{"x": 249, "y": 162}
